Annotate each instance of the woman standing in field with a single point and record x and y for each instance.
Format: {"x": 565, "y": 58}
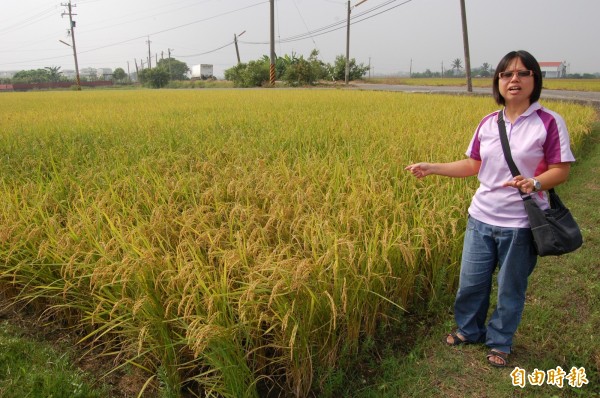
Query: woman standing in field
{"x": 498, "y": 232}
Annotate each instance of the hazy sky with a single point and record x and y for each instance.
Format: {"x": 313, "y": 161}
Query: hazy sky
{"x": 421, "y": 33}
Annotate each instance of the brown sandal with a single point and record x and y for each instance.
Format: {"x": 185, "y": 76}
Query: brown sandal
{"x": 503, "y": 356}
{"x": 455, "y": 339}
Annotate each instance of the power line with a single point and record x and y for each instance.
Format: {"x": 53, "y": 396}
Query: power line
{"x": 170, "y": 10}
{"x": 207, "y": 52}
{"x": 360, "y": 17}
{"x": 151, "y": 34}
{"x": 341, "y": 24}
{"x": 337, "y": 25}
{"x": 303, "y": 21}
{"x": 174, "y": 28}
{"x": 381, "y": 12}
{"x": 28, "y": 21}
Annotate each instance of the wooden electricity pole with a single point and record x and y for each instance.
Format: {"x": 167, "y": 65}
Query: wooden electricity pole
{"x": 272, "y": 65}
{"x": 149, "y": 54}
{"x": 237, "y": 51}
{"x": 347, "y": 71}
{"x": 72, "y": 32}
{"x": 170, "y": 73}
{"x": 466, "y": 45}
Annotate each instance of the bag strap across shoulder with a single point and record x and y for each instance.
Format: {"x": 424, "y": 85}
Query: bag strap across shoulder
{"x": 508, "y": 155}
{"x": 505, "y": 146}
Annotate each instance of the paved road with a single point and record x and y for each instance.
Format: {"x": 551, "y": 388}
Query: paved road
{"x": 586, "y": 97}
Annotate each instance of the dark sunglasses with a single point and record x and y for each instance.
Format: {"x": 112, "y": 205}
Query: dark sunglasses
{"x": 520, "y": 73}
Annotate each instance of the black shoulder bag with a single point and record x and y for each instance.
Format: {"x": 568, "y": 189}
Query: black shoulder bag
{"x": 555, "y": 231}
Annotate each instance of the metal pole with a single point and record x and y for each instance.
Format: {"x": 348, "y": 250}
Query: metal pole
{"x": 72, "y": 25}
{"x": 347, "y": 74}
{"x": 149, "y": 55}
{"x": 466, "y": 45}
{"x": 272, "y": 66}
{"x": 237, "y": 52}
{"x": 170, "y": 72}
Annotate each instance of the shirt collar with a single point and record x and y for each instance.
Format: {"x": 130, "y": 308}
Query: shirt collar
{"x": 534, "y": 107}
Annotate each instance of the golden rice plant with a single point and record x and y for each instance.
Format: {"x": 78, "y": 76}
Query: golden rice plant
{"x": 592, "y": 85}
{"x": 226, "y": 241}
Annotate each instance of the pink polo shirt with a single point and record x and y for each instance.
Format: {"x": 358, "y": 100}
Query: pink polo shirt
{"x": 537, "y": 139}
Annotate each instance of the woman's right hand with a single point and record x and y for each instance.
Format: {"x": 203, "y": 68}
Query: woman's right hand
{"x": 419, "y": 170}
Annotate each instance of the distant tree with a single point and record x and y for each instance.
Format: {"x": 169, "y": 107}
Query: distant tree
{"x": 427, "y": 74}
{"x": 294, "y": 70}
{"x": 300, "y": 71}
{"x": 281, "y": 64}
{"x": 177, "y": 69}
{"x": 457, "y": 65}
{"x": 32, "y": 76}
{"x": 54, "y": 73}
{"x": 485, "y": 70}
{"x": 338, "y": 69}
{"x": 155, "y": 77}
{"x": 119, "y": 74}
{"x": 252, "y": 74}
{"x": 318, "y": 66}
{"x": 234, "y": 74}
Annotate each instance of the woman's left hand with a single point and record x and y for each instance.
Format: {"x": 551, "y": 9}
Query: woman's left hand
{"x": 556, "y": 174}
{"x": 522, "y": 183}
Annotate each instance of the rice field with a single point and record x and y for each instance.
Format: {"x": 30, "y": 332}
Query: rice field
{"x": 592, "y": 85}
{"x": 231, "y": 242}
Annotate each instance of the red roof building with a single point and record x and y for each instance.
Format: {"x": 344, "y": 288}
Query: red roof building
{"x": 554, "y": 69}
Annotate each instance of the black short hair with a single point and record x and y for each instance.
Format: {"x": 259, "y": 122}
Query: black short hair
{"x": 530, "y": 63}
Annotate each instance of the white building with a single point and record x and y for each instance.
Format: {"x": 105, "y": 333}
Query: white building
{"x": 554, "y": 69}
{"x": 69, "y": 73}
{"x": 7, "y": 74}
{"x": 91, "y": 73}
{"x": 104, "y": 73}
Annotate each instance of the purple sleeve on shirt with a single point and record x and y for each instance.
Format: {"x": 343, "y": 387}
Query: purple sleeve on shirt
{"x": 552, "y": 152}
{"x": 475, "y": 146}
{"x": 474, "y": 150}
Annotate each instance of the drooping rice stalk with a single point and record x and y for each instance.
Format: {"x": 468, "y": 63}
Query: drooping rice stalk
{"x": 233, "y": 241}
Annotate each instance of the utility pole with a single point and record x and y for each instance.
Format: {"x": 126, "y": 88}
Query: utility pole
{"x": 466, "y": 45}
{"x": 347, "y": 74}
{"x": 237, "y": 51}
{"x": 128, "y": 74}
{"x": 169, "y": 52}
{"x": 272, "y": 65}
{"x": 72, "y": 32}
{"x": 149, "y": 54}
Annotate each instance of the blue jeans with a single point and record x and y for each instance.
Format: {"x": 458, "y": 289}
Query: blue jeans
{"x": 485, "y": 247}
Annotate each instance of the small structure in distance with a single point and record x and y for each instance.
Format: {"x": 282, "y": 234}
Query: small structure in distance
{"x": 202, "y": 72}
